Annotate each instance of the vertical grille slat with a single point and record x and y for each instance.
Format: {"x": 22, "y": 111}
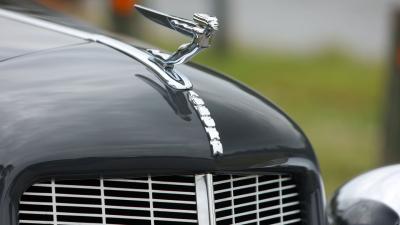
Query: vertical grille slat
{"x": 163, "y": 200}
{"x": 256, "y": 200}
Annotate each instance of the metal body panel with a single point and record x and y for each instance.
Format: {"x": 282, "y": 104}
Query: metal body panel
{"x": 89, "y": 110}
{"x": 21, "y": 39}
{"x": 371, "y": 198}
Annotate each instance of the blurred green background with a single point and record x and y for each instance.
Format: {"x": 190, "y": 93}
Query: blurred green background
{"x": 334, "y": 92}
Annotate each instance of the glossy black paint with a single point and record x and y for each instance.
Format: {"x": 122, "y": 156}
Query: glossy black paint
{"x": 371, "y": 198}
{"x": 88, "y": 110}
{"x": 21, "y": 39}
{"x": 33, "y": 8}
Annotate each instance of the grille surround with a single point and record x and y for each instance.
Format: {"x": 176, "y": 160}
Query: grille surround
{"x": 156, "y": 200}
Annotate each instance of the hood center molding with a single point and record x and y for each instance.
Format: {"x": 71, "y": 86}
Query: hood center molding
{"x": 208, "y": 123}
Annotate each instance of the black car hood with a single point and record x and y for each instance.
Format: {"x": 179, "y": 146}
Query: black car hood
{"x": 19, "y": 39}
{"x": 90, "y": 102}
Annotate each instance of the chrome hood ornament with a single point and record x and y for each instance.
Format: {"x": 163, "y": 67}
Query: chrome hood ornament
{"x": 201, "y": 30}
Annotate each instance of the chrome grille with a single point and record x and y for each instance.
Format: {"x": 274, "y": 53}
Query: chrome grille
{"x": 149, "y": 200}
{"x": 163, "y": 200}
{"x": 269, "y": 199}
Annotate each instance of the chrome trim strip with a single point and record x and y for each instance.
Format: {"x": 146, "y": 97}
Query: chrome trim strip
{"x": 146, "y": 59}
{"x": 151, "y": 199}
{"x": 53, "y": 201}
{"x": 141, "y": 56}
{"x": 205, "y": 199}
{"x": 211, "y": 203}
{"x": 103, "y": 202}
{"x": 281, "y": 212}
{"x": 202, "y": 200}
{"x": 258, "y": 199}
{"x": 208, "y": 123}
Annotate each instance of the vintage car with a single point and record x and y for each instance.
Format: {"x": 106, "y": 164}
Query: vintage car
{"x": 94, "y": 130}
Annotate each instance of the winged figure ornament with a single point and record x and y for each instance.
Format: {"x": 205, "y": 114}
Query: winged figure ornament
{"x": 201, "y": 29}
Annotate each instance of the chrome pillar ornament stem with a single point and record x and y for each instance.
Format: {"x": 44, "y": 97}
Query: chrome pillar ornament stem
{"x": 205, "y": 199}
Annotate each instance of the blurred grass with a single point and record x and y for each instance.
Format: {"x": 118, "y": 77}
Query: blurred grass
{"x": 336, "y": 99}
